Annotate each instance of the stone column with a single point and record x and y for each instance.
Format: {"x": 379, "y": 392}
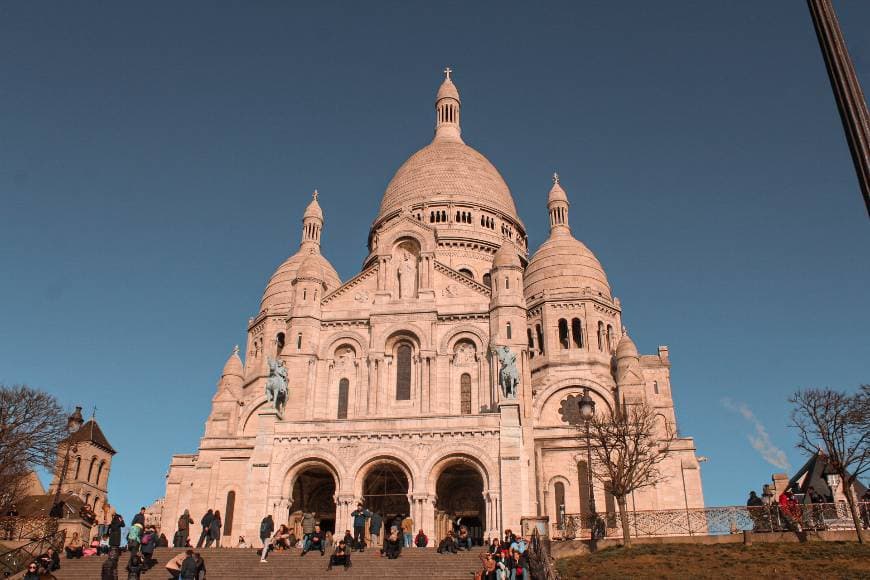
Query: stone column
{"x": 344, "y": 505}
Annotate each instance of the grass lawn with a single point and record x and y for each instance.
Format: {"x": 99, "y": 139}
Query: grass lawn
{"x": 814, "y": 560}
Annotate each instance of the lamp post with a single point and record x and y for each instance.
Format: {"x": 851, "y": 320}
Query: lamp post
{"x": 587, "y": 411}
{"x": 73, "y": 422}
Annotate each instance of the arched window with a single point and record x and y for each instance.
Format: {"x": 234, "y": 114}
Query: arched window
{"x": 466, "y": 272}
{"x": 508, "y": 330}
{"x": 228, "y": 513}
{"x": 343, "y": 387}
{"x": 583, "y": 483}
{"x": 279, "y": 341}
{"x": 563, "y": 333}
{"x": 540, "y": 334}
{"x": 299, "y": 341}
{"x": 91, "y": 468}
{"x": 465, "y": 394}
{"x": 457, "y": 216}
{"x": 609, "y": 338}
{"x": 431, "y": 217}
{"x": 656, "y": 387}
{"x": 559, "y": 488}
{"x": 487, "y": 280}
{"x": 531, "y": 343}
{"x": 403, "y": 373}
{"x": 577, "y": 332}
{"x": 600, "y": 335}
{"x": 100, "y": 472}
{"x": 78, "y": 467}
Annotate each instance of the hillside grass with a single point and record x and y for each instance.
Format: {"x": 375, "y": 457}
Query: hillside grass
{"x": 813, "y": 560}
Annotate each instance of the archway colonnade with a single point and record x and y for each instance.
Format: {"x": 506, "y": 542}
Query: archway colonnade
{"x": 457, "y": 489}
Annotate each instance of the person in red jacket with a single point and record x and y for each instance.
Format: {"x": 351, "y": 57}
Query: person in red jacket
{"x": 420, "y": 540}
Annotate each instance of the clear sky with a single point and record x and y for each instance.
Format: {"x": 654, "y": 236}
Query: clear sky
{"x": 155, "y": 159}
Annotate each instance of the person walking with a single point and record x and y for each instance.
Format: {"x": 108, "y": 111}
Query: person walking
{"x": 115, "y": 531}
{"x": 184, "y": 522}
{"x": 205, "y": 522}
{"x": 188, "y": 567}
{"x": 147, "y": 546}
{"x": 109, "y": 570}
{"x": 267, "y": 527}
{"x": 375, "y": 525}
{"x": 214, "y": 530}
{"x": 139, "y": 518}
{"x": 134, "y": 537}
{"x": 408, "y": 531}
{"x": 359, "y": 515}
{"x": 135, "y": 567}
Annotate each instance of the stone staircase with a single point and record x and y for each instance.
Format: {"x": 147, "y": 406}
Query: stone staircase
{"x": 235, "y": 564}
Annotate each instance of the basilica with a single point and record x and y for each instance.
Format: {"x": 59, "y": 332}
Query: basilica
{"x": 441, "y": 381}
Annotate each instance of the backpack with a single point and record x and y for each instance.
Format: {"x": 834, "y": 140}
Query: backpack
{"x": 146, "y": 539}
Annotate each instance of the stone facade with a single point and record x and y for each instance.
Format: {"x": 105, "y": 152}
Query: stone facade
{"x": 393, "y": 392}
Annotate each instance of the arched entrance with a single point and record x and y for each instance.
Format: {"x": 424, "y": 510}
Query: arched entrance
{"x": 314, "y": 491}
{"x": 385, "y": 491}
{"x": 460, "y": 500}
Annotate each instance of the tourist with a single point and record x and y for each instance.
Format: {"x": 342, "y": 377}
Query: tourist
{"x": 360, "y": 515}
{"x": 509, "y": 539}
{"x": 200, "y": 566}
{"x": 816, "y": 507}
{"x": 392, "y": 547}
{"x": 408, "y": 531}
{"x": 174, "y": 565}
{"x": 865, "y": 509}
{"x": 49, "y": 561}
{"x": 267, "y": 528}
{"x": 448, "y": 544}
{"x": 9, "y": 523}
{"x": 308, "y": 522}
{"x": 396, "y": 526}
{"x": 494, "y": 547}
{"x": 205, "y": 522}
{"x": 518, "y": 566}
{"x": 328, "y": 540}
{"x": 341, "y": 556}
{"x": 188, "y": 567}
{"x": 790, "y": 510}
{"x": 242, "y": 543}
{"x": 109, "y": 570}
{"x": 315, "y": 542}
{"x": 105, "y": 545}
{"x": 184, "y": 523}
{"x": 74, "y": 548}
{"x": 421, "y": 541}
{"x": 115, "y": 527}
{"x": 135, "y": 567}
{"x": 214, "y": 530}
{"x": 139, "y": 518}
{"x": 490, "y": 568}
{"x": 133, "y": 537}
{"x": 519, "y": 545}
{"x": 32, "y": 572}
{"x": 280, "y": 541}
{"x": 94, "y": 548}
{"x": 162, "y": 541}
{"x": 463, "y": 542}
{"x": 755, "y": 507}
{"x": 375, "y": 525}
{"x": 148, "y": 545}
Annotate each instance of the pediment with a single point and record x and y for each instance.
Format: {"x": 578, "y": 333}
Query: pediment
{"x": 404, "y": 227}
{"x": 358, "y": 292}
{"x": 450, "y": 284}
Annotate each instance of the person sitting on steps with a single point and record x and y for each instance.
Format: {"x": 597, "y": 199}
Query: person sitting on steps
{"x": 341, "y": 556}
{"x": 392, "y": 546}
{"x": 448, "y": 544}
{"x": 315, "y": 542}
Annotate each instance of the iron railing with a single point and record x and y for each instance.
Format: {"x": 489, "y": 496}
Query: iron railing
{"x": 17, "y": 528}
{"x": 16, "y": 560}
{"x": 715, "y": 521}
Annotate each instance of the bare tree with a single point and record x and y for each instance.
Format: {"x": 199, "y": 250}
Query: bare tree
{"x": 32, "y": 425}
{"x": 838, "y": 424}
{"x": 629, "y": 444}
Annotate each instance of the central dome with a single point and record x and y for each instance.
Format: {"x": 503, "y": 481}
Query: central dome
{"x": 448, "y": 171}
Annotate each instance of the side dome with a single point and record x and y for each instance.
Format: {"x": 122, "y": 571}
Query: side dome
{"x": 506, "y": 257}
{"x": 448, "y": 171}
{"x": 278, "y": 296}
{"x": 233, "y": 366}
{"x": 564, "y": 265}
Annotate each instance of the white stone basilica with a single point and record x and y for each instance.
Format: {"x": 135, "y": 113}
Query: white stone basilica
{"x": 393, "y": 394}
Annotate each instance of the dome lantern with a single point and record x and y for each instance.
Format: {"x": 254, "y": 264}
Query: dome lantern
{"x": 557, "y": 204}
{"x": 447, "y": 105}
{"x": 312, "y": 224}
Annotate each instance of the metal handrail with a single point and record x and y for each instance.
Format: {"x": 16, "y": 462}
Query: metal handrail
{"x": 16, "y": 560}
{"x": 712, "y": 521}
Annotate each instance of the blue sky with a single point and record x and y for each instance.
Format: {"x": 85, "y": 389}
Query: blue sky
{"x": 155, "y": 159}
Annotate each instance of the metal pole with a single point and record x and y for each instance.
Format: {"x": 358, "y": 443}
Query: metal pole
{"x": 847, "y": 90}
{"x": 593, "y": 516}
{"x": 62, "y": 476}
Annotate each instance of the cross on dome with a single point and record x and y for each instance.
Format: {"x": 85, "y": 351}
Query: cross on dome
{"x": 447, "y": 72}
{"x": 314, "y": 195}
{"x": 555, "y": 177}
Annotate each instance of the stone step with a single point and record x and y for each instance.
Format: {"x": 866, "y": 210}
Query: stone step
{"x": 235, "y": 564}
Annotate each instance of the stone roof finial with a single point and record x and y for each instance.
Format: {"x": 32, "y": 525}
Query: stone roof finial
{"x": 236, "y": 350}
{"x": 447, "y": 72}
{"x": 314, "y": 195}
{"x": 555, "y": 178}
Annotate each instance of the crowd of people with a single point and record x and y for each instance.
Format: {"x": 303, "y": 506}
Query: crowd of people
{"x": 506, "y": 559}
{"x": 798, "y": 512}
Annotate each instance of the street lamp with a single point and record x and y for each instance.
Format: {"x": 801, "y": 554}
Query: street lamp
{"x": 73, "y": 422}
{"x": 587, "y": 411}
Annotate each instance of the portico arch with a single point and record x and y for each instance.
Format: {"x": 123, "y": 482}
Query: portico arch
{"x": 312, "y": 485}
{"x": 460, "y": 482}
{"x": 384, "y": 485}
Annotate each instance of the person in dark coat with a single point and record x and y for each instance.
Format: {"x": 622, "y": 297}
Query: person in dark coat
{"x": 200, "y": 566}
{"x": 316, "y": 541}
{"x": 115, "y": 531}
{"x": 341, "y": 556}
{"x": 109, "y": 570}
{"x": 149, "y": 544}
{"x": 359, "y": 515}
{"x": 206, "y": 522}
{"x": 448, "y": 544}
{"x": 184, "y": 523}
{"x": 375, "y": 525}
{"x": 139, "y": 518}
{"x": 392, "y": 546}
{"x": 188, "y": 568}
{"x": 214, "y": 530}
{"x": 32, "y": 571}
{"x": 267, "y": 527}
{"x": 50, "y": 561}
{"x": 135, "y": 567}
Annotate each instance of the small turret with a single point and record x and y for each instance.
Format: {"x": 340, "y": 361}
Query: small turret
{"x": 312, "y": 224}
{"x": 447, "y": 105}
{"x": 557, "y": 204}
